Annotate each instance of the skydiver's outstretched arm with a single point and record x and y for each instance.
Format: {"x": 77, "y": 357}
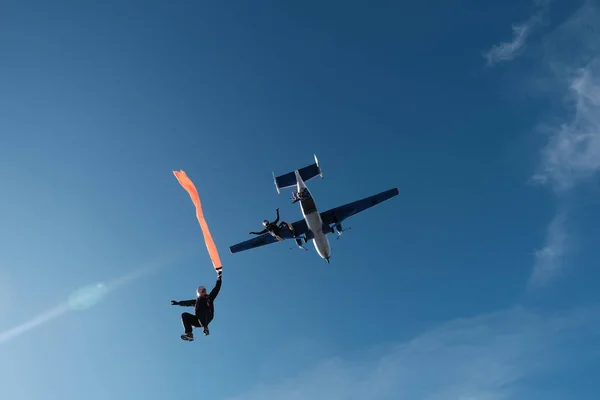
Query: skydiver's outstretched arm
{"x": 213, "y": 293}
{"x": 184, "y": 303}
{"x": 277, "y": 219}
{"x": 259, "y": 233}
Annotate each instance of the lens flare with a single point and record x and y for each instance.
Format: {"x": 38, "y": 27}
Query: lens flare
{"x": 87, "y": 296}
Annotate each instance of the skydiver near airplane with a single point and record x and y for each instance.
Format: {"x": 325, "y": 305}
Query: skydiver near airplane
{"x": 273, "y": 229}
{"x": 296, "y": 197}
{"x": 315, "y": 225}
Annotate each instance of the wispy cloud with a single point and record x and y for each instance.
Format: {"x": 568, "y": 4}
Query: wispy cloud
{"x": 571, "y": 156}
{"x": 507, "y": 51}
{"x": 488, "y": 357}
{"x": 549, "y": 260}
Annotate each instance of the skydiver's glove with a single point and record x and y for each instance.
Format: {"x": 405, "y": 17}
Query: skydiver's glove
{"x": 174, "y": 303}
{"x": 219, "y": 273}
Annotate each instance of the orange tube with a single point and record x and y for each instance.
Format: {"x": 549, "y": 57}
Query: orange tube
{"x": 188, "y": 185}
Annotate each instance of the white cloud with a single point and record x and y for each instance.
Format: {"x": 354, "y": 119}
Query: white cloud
{"x": 572, "y": 154}
{"x": 549, "y": 260}
{"x": 507, "y": 51}
{"x": 571, "y": 53}
{"x": 488, "y": 357}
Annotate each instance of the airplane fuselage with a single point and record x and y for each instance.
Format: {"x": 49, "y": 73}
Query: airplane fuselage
{"x": 313, "y": 220}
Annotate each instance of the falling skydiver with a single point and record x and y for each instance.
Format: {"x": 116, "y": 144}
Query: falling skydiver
{"x": 273, "y": 228}
{"x": 204, "y": 309}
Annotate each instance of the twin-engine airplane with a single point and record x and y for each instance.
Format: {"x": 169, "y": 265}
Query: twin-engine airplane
{"x": 315, "y": 225}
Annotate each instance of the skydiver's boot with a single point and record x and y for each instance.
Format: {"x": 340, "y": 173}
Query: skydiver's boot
{"x": 188, "y": 336}
{"x": 206, "y": 332}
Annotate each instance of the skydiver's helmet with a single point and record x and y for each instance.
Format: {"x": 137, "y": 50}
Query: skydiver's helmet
{"x": 200, "y": 291}
{"x": 265, "y": 223}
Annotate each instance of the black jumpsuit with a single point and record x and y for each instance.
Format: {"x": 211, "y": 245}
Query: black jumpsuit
{"x": 272, "y": 227}
{"x": 204, "y": 310}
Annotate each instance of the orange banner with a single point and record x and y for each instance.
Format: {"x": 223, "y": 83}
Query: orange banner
{"x": 188, "y": 185}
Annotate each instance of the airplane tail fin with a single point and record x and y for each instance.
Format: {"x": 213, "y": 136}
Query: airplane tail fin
{"x": 306, "y": 173}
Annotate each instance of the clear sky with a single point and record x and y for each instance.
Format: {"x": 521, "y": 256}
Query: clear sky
{"x": 477, "y": 282}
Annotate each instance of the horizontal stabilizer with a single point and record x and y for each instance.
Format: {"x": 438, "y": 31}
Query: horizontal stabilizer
{"x": 307, "y": 173}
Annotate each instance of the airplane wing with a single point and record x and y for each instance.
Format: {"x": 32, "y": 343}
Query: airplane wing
{"x": 338, "y": 214}
{"x": 300, "y": 228}
{"x": 258, "y": 241}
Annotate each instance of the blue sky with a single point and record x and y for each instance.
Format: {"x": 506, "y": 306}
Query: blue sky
{"x": 475, "y": 283}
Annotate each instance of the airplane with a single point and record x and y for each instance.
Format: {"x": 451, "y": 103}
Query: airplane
{"x": 314, "y": 225}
